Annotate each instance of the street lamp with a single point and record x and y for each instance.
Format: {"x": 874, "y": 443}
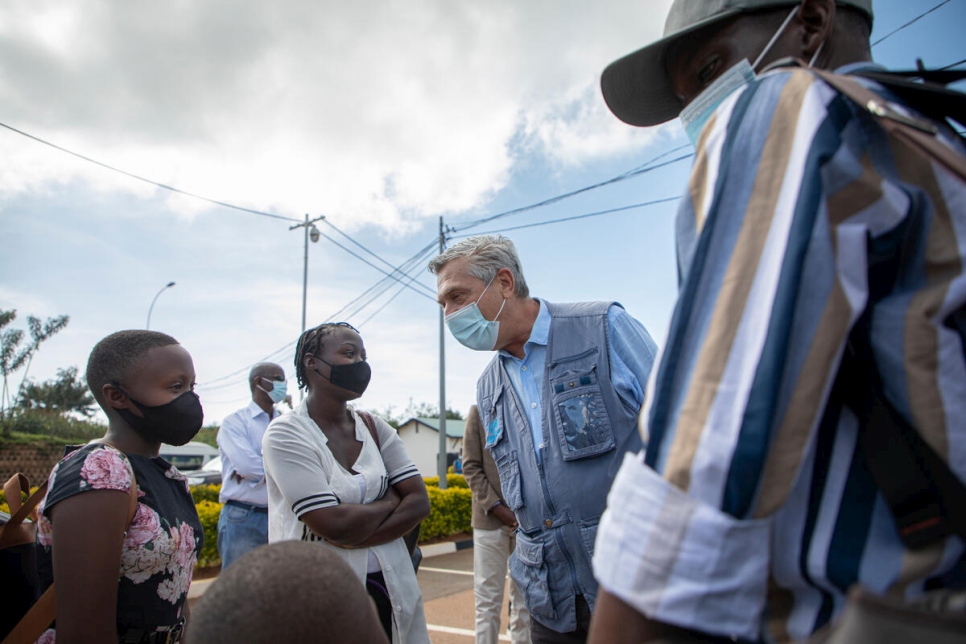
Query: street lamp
{"x": 311, "y": 232}
{"x": 150, "y": 308}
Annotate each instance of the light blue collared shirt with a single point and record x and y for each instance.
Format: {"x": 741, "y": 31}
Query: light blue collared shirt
{"x": 631, "y": 352}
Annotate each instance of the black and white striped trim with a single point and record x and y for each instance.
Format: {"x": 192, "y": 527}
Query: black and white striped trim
{"x": 314, "y": 502}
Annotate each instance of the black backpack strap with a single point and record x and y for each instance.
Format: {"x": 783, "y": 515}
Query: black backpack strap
{"x": 930, "y": 96}
{"x": 926, "y": 499}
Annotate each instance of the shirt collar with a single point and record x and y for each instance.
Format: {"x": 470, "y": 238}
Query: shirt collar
{"x": 539, "y": 332}
{"x": 255, "y": 409}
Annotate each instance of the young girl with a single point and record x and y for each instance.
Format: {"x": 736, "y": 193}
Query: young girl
{"x": 329, "y": 481}
{"x": 118, "y": 580}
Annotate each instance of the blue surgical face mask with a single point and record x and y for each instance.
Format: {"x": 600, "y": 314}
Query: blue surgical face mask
{"x": 471, "y": 329}
{"x": 277, "y": 392}
{"x": 696, "y": 114}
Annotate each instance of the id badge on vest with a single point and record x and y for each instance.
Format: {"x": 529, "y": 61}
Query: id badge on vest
{"x": 493, "y": 432}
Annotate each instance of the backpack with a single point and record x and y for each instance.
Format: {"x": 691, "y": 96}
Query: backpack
{"x": 926, "y": 499}
{"x": 18, "y": 554}
{"x": 26, "y": 616}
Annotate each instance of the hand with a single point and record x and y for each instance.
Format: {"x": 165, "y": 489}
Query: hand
{"x": 505, "y": 515}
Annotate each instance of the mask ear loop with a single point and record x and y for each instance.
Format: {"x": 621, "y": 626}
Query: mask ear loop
{"x": 811, "y": 63}
{"x": 774, "y": 38}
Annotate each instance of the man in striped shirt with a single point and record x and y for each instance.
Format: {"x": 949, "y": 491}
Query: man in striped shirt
{"x": 752, "y": 510}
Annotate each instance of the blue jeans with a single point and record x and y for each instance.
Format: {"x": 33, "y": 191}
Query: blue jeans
{"x": 241, "y": 527}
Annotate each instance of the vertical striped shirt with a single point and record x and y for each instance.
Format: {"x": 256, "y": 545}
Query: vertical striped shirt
{"x": 752, "y": 510}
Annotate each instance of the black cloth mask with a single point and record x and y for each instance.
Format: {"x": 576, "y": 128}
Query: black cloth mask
{"x": 174, "y": 423}
{"x": 354, "y": 377}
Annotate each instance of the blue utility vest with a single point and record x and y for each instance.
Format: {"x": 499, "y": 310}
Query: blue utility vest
{"x": 586, "y": 428}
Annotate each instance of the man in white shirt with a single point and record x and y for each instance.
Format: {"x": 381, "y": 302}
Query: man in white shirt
{"x": 243, "y": 524}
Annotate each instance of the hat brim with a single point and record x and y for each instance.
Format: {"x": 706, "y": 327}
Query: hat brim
{"x": 637, "y": 88}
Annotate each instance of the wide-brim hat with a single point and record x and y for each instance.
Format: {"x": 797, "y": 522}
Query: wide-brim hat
{"x": 637, "y": 88}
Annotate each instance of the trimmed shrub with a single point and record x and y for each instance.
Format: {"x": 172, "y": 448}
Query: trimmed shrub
{"x": 452, "y": 480}
{"x": 205, "y": 493}
{"x": 53, "y": 425}
{"x": 450, "y": 512}
{"x": 208, "y": 512}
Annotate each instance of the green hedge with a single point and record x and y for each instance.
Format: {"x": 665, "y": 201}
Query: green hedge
{"x": 450, "y": 512}
{"x": 452, "y": 480}
{"x": 208, "y": 512}
{"x": 38, "y": 422}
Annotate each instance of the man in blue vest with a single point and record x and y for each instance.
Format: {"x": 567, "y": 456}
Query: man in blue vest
{"x": 559, "y": 405}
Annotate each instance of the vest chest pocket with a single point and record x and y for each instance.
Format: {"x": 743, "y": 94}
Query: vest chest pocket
{"x": 582, "y": 424}
{"x": 510, "y": 484}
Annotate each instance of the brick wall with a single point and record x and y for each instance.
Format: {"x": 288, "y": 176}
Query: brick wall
{"x": 34, "y": 459}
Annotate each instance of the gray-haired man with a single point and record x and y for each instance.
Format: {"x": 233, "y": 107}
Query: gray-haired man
{"x": 559, "y": 405}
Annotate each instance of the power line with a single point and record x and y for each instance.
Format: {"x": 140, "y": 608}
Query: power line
{"x": 223, "y": 381}
{"x": 584, "y": 216}
{"x": 914, "y": 20}
{"x": 645, "y": 168}
{"x": 146, "y": 180}
{"x": 389, "y": 275}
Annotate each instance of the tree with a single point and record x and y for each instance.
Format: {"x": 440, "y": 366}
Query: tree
{"x": 14, "y": 357}
{"x": 63, "y": 395}
{"x": 427, "y": 410}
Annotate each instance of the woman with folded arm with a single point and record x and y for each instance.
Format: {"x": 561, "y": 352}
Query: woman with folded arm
{"x": 331, "y": 481}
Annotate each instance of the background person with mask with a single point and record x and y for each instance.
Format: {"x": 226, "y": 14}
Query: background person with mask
{"x": 808, "y": 239}
{"x": 558, "y": 405}
{"x": 330, "y": 481}
{"x": 243, "y": 523}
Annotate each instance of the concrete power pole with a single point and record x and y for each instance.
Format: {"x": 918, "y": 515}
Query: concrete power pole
{"x": 441, "y": 459}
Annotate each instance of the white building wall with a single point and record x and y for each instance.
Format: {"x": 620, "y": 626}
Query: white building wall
{"x": 423, "y": 445}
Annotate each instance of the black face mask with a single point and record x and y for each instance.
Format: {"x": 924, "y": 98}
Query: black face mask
{"x": 174, "y": 423}
{"x": 354, "y": 377}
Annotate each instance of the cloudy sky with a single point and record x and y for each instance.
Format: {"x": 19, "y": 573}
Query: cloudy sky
{"x": 383, "y": 117}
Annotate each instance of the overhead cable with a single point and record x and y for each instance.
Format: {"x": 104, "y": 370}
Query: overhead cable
{"x": 914, "y": 20}
{"x": 647, "y": 167}
{"x": 146, "y": 180}
{"x": 584, "y": 216}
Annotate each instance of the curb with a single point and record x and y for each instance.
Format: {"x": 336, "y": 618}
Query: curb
{"x": 445, "y": 548}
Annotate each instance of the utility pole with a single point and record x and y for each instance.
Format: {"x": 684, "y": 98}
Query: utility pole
{"x": 441, "y": 460}
{"x": 311, "y": 232}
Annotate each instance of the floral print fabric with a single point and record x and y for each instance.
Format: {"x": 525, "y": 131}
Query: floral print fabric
{"x": 162, "y": 542}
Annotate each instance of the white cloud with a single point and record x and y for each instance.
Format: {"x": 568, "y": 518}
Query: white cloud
{"x": 379, "y": 112}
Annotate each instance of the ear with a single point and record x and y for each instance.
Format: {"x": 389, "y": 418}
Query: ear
{"x": 504, "y": 278}
{"x": 816, "y": 18}
{"x": 114, "y": 397}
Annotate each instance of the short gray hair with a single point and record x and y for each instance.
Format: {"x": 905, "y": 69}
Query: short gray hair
{"x": 487, "y": 254}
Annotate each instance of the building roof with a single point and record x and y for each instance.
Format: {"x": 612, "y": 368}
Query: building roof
{"x": 454, "y": 428}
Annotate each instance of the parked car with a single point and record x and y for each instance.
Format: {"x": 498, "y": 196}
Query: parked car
{"x": 191, "y": 456}
{"x": 209, "y": 474}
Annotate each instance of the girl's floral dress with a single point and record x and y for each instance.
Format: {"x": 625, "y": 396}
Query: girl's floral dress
{"x": 162, "y": 541}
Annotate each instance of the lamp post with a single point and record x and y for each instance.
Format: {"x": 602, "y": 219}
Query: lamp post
{"x": 311, "y": 232}
{"x": 151, "y": 308}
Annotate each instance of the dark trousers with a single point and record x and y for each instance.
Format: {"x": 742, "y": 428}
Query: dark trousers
{"x": 540, "y": 634}
{"x": 376, "y": 587}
